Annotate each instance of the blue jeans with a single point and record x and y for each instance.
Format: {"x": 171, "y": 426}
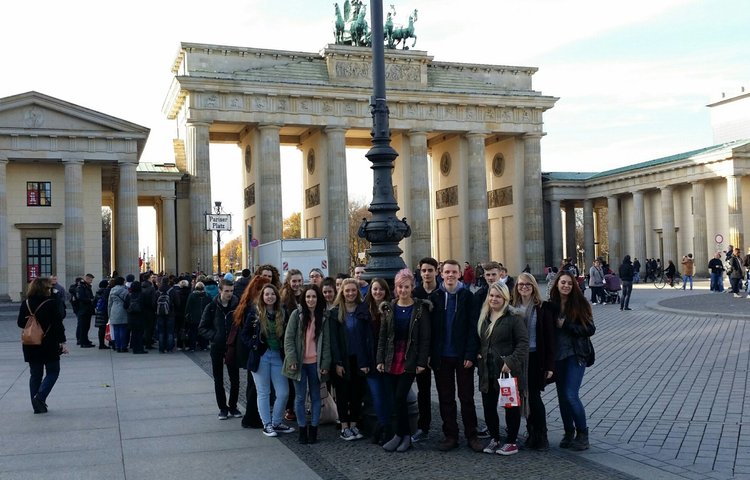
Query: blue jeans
{"x": 39, "y": 386}
{"x": 165, "y": 327}
{"x": 569, "y": 376}
{"x": 381, "y": 395}
{"x": 685, "y": 280}
{"x": 717, "y": 282}
{"x": 121, "y": 336}
{"x": 269, "y": 370}
{"x": 309, "y": 378}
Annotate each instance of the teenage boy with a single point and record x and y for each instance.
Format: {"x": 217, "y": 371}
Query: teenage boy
{"x": 428, "y": 271}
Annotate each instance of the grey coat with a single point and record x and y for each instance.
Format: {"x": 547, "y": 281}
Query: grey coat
{"x": 118, "y": 315}
{"x": 508, "y": 344}
{"x": 596, "y": 277}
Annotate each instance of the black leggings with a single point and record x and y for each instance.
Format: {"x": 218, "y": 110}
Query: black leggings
{"x": 491, "y": 418}
{"x": 537, "y": 419}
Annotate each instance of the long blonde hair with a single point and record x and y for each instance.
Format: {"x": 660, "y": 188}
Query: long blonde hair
{"x": 536, "y": 297}
{"x": 340, "y": 303}
{"x": 484, "y": 313}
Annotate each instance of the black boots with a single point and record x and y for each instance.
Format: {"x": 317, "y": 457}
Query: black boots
{"x": 377, "y": 434}
{"x": 312, "y": 434}
{"x": 542, "y": 443}
{"x": 531, "y": 438}
{"x": 581, "y": 441}
{"x": 567, "y": 440}
{"x": 303, "y": 438}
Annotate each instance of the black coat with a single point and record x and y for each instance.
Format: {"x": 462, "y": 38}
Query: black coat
{"x": 213, "y": 325}
{"x": 50, "y": 320}
{"x": 341, "y": 350}
{"x": 465, "y": 337}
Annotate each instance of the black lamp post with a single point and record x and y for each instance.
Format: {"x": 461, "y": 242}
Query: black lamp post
{"x": 385, "y": 230}
{"x": 217, "y": 208}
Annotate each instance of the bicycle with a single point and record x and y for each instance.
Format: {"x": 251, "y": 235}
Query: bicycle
{"x": 662, "y": 279}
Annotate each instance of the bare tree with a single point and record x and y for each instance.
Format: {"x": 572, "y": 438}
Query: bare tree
{"x": 357, "y": 211}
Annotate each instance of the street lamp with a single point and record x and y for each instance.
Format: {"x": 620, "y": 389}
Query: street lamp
{"x": 217, "y": 209}
{"x": 385, "y": 230}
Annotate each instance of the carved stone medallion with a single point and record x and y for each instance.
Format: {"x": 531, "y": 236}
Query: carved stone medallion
{"x": 445, "y": 164}
{"x": 498, "y": 165}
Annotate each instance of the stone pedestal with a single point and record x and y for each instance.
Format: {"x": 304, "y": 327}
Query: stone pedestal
{"x": 74, "y": 247}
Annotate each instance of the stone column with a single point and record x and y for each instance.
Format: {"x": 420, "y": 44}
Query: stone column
{"x": 74, "y": 228}
{"x": 168, "y": 234}
{"x": 339, "y": 250}
{"x": 669, "y": 237}
{"x": 126, "y": 218}
{"x": 479, "y": 247}
{"x": 271, "y": 218}
{"x": 613, "y": 232}
{"x": 419, "y": 198}
{"x": 700, "y": 229}
{"x": 734, "y": 203}
{"x": 639, "y": 227}
{"x": 588, "y": 233}
{"x": 555, "y": 218}
{"x": 4, "y": 284}
{"x": 532, "y": 193}
{"x": 201, "y": 248}
{"x": 570, "y": 231}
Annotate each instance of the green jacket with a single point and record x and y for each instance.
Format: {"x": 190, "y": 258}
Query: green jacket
{"x": 418, "y": 342}
{"x": 294, "y": 341}
{"x": 508, "y": 344}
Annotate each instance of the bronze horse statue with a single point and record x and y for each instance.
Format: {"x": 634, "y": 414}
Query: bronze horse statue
{"x": 403, "y": 33}
{"x": 338, "y": 31}
{"x": 359, "y": 29}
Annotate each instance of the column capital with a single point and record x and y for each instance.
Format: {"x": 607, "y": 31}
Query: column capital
{"x": 197, "y": 123}
{"x": 533, "y": 135}
{"x": 72, "y": 161}
{"x": 476, "y": 133}
{"x": 416, "y": 132}
{"x": 269, "y": 126}
{"x": 666, "y": 188}
{"x": 167, "y": 197}
{"x": 335, "y": 128}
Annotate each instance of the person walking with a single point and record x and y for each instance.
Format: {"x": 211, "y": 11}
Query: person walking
{"x": 736, "y": 272}
{"x": 627, "y": 273}
{"x": 596, "y": 282}
{"x": 688, "y": 269}
{"x": 716, "y": 269}
{"x": 45, "y": 357}
{"x": 574, "y": 327}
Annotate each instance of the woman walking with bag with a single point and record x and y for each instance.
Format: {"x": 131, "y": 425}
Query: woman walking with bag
{"x": 539, "y": 318}
{"x": 307, "y": 358}
{"x": 403, "y": 351}
{"x": 46, "y": 355}
{"x": 574, "y": 325}
{"x": 503, "y": 349}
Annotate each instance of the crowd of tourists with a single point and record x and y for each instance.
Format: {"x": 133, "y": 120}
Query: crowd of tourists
{"x": 302, "y": 345}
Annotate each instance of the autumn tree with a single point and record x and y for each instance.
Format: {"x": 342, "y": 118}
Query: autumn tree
{"x": 231, "y": 256}
{"x": 357, "y": 211}
{"x": 292, "y": 227}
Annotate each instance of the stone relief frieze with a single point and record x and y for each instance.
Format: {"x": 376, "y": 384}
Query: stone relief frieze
{"x": 500, "y": 197}
{"x": 33, "y": 118}
{"x": 353, "y": 70}
{"x": 282, "y": 105}
{"x": 312, "y": 196}
{"x": 212, "y": 101}
{"x": 260, "y": 104}
{"x": 447, "y": 197}
{"x": 235, "y": 103}
{"x": 250, "y": 195}
{"x": 305, "y": 106}
{"x": 327, "y": 107}
{"x": 402, "y": 73}
{"x": 506, "y": 115}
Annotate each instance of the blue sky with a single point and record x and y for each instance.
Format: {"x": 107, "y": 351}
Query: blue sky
{"x": 633, "y": 77}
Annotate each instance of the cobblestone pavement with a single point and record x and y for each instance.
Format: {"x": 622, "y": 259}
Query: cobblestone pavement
{"x": 665, "y": 399}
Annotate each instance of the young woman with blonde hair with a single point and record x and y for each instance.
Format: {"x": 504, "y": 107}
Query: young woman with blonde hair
{"x": 539, "y": 318}
{"x": 503, "y": 349}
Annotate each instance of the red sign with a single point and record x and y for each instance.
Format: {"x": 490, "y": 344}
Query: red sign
{"x": 32, "y": 198}
{"x": 32, "y": 271}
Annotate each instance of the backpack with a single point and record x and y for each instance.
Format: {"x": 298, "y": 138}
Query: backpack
{"x": 163, "y": 304}
{"x": 73, "y": 291}
{"x": 134, "y": 303}
{"x": 101, "y": 306}
{"x": 32, "y": 333}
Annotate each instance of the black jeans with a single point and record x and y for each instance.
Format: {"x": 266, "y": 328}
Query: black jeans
{"x": 512, "y": 415}
{"x": 82, "y": 328}
{"x": 217, "y": 369}
{"x": 401, "y": 385}
{"x": 452, "y": 376}
{"x": 350, "y": 392}
{"x": 627, "y": 289}
{"x": 424, "y": 400}
{"x": 537, "y": 419}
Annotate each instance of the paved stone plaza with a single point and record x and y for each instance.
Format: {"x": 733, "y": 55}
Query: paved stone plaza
{"x": 666, "y": 399}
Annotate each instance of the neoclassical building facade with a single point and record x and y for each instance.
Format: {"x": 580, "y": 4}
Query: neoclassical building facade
{"x": 469, "y": 138}
{"x": 60, "y": 163}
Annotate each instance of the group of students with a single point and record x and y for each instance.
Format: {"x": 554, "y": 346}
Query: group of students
{"x": 296, "y": 338}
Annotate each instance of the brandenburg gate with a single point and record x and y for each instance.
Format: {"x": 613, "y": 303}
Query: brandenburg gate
{"x": 468, "y": 175}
